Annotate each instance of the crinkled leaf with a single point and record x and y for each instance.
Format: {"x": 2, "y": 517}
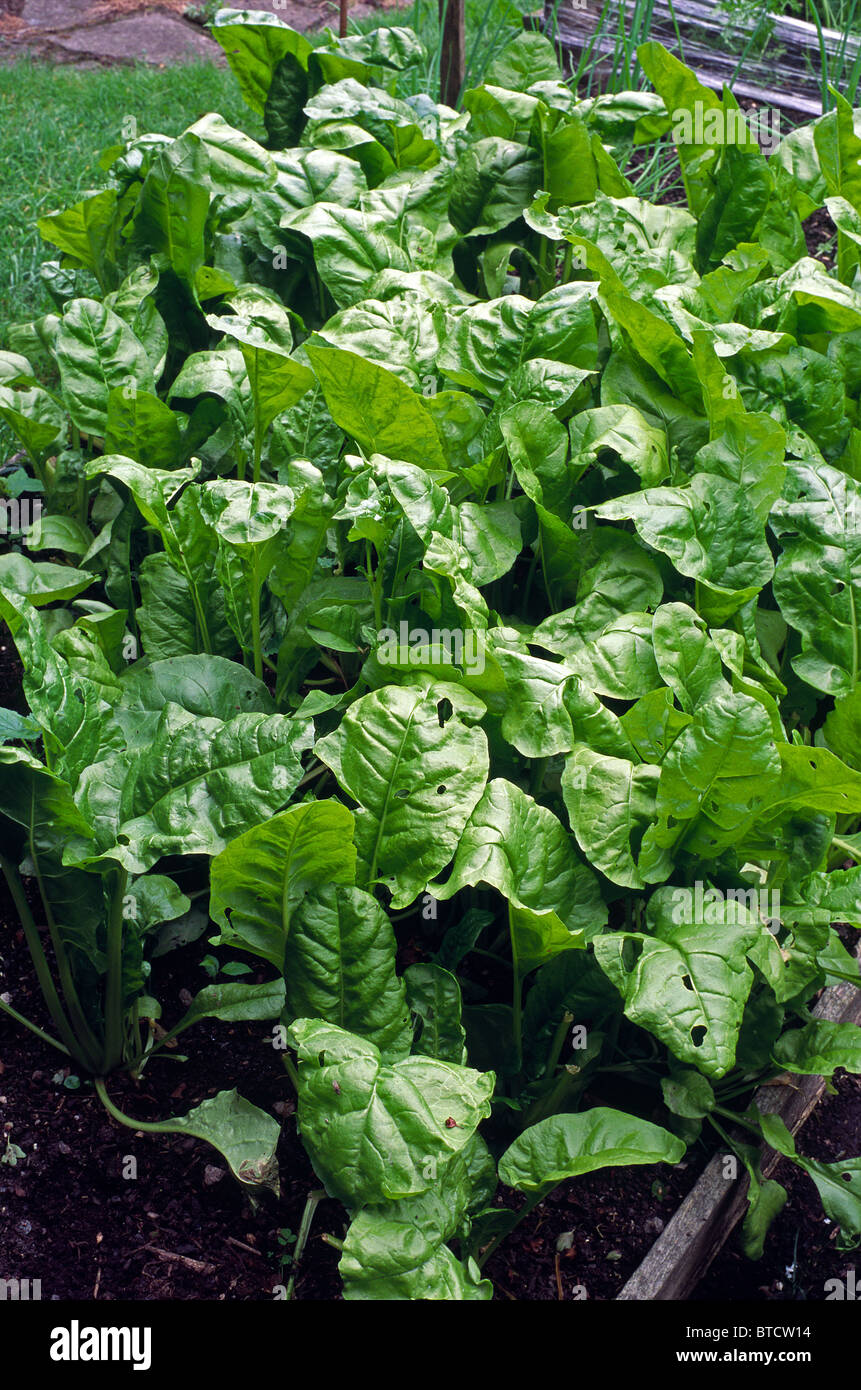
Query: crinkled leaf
{"x": 196, "y": 786}
{"x": 372, "y": 1129}
{"x": 339, "y": 965}
{"x": 260, "y": 880}
{"x": 522, "y": 850}
{"x": 416, "y": 772}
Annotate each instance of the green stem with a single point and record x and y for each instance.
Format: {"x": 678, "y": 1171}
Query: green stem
{"x": 375, "y": 584}
{"x": 147, "y": 1126}
{"x": 721, "y": 1131}
{"x": 202, "y": 624}
{"x": 536, "y": 779}
{"x": 319, "y": 771}
{"x": 550, "y": 1103}
{"x": 292, "y": 1072}
{"x": 736, "y": 1119}
{"x": 313, "y": 1199}
{"x": 330, "y": 665}
{"x": 258, "y": 448}
{"x": 517, "y": 994}
{"x": 533, "y": 565}
{"x": 847, "y": 849}
{"x": 34, "y": 1027}
{"x": 138, "y": 1052}
{"x": 256, "y": 644}
{"x": 746, "y": 1087}
{"x": 509, "y": 486}
{"x": 558, "y": 1039}
{"x": 113, "y": 1052}
{"x": 489, "y": 955}
{"x": 40, "y": 963}
{"x": 545, "y": 278}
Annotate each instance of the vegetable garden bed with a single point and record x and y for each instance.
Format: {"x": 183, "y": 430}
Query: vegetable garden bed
{"x": 434, "y": 570}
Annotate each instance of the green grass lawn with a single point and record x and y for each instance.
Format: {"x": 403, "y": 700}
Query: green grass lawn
{"x": 54, "y": 121}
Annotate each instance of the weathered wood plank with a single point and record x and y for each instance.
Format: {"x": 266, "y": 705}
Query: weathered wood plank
{"x": 706, "y": 1218}
{"x": 702, "y": 15}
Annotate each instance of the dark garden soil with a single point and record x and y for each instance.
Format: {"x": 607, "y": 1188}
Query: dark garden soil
{"x": 182, "y": 1228}
{"x": 587, "y": 1238}
{"x": 821, "y": 237}
{"x": 800, "y": 1253}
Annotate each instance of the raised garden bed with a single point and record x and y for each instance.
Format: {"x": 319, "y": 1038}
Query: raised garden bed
{"x": 440, "y": 656}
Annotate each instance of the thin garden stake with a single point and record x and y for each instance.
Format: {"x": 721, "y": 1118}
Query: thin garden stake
{"x": 451, "y": 50}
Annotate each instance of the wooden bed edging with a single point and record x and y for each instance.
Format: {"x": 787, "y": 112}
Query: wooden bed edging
{"x": 713, "y": 1208}
{"x": 793, "y": 56}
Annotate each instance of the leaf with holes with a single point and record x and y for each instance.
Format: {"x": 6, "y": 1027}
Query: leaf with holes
{"x": 688, "y": 980}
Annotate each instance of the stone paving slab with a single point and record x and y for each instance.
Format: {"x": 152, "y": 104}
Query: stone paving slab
{"x": 154, "y": 37}
{"x": 132, "y": 31}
